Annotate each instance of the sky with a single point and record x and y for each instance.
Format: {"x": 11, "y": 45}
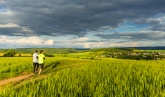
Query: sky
{"x": 81, "y": 23}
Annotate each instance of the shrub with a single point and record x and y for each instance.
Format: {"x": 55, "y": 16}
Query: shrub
{"x": 49, "y": 55}
{"x": 10, "y": 53}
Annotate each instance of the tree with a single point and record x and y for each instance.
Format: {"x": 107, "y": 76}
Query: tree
{"x": 49, "y": 55}
{"x": 10, "y": 53}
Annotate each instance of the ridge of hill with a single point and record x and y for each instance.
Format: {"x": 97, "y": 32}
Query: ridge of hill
{"x": 74, "y": 50}
{"x": 47, "y": 50}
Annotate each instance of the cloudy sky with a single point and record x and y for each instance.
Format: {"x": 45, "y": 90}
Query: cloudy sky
{"x": 81, "y": 23}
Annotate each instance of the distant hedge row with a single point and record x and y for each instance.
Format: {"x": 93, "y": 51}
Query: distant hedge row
{"x": 10, "y": 53}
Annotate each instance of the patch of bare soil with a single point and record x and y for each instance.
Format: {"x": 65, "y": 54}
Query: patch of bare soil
{"x": 15, "y": 79}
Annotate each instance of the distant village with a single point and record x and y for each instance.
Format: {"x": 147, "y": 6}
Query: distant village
{"x": 136, "y": 55}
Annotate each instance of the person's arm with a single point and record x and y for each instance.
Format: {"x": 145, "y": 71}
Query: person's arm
{"x": 44, "y": 57}
{"x": 37, "y": 56}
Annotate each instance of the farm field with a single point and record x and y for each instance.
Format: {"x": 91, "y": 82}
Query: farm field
{"x": 1, "y": 54}
{"x": 160, "y": 51}
{"x": 72, "y": 76}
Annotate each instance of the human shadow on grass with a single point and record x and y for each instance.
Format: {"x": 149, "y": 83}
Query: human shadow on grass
{"x": 51, "y": 66}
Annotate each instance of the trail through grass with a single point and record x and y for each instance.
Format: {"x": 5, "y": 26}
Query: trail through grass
{"x": 15, "y": 79}
{"x": 95, "y": 78}
{"x": 49, "y": 68}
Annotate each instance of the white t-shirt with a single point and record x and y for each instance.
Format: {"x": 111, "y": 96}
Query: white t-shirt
{"x": 35, "y": 57}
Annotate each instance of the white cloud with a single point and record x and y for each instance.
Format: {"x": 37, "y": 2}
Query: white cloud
{"x": 3, "y": 37}
{"x": 110, "y": 44}
{"x": 82, "y": 39}
{"x": 89, "y": 44}
{"x": 25, "y": 29}
{"x": 33, "y": 40}
{"x": 93, "y": 44}
{"x": 86, "y": 45}
{"x": 49, "y": 42}
{"x": 9, "y": 25}
{"x": 160, "y": 20}
{"x": 24, "y": 41}
{"x": 124, "y": 44}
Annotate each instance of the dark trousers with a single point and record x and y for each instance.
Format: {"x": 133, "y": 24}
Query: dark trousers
{"x": 35, "y": 65}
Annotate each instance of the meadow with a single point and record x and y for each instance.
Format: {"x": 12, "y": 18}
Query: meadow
{"x": 73, "y": 75}
{"x": 160, "y": 51}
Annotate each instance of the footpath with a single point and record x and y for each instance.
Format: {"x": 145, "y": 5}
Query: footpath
{"x": 15, "y": 79}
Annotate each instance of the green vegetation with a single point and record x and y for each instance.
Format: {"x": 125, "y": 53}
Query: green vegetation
{"x": 154, "y": 51}
{"x": 10, "y": 53}
{"x": 121, "y": 53}
{"x": 48, "y": 50}
{"x": 77, "y": 77}
{"x": 49, "y": 55}
{"x": 104, "y": 72}
{"x": 14, "y": 66}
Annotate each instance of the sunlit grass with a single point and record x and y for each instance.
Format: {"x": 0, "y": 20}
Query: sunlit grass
{"x": 71, "y": 77}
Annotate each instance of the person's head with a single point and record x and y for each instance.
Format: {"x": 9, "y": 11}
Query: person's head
{"x": 41, "y": 51}
{"x": 36, "y": 51}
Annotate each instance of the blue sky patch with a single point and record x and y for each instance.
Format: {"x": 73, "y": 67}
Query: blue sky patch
{"x": 3, "y": 8}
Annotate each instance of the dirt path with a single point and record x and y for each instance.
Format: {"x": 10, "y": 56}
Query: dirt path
{"x": 15, "y": 79}
{"x": 23, "y": 77}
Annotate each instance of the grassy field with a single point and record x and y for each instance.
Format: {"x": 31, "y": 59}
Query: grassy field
{"x": 76, "y": 55}
{"x": 14, "y": 66}
{"x": 1, "y": 54}
{"x": 68, "y": 76}
{"x": 160, "y": 51}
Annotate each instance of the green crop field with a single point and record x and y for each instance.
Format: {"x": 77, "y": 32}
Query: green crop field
{"x": 1, "y": 54}
{"x": 155, "y": 51}
{"x": 69, "y": 76}
{"x": 160, "y": 51}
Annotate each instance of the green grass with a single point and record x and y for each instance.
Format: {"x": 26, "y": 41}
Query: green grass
{"x": 75, "y": 55}
{"x": 150, "y": 51}
{"x": 71, "y": 77}
{"x": 13, "y": 66}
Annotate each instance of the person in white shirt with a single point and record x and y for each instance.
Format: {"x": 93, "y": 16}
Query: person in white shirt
{"x": 35, "y": 61}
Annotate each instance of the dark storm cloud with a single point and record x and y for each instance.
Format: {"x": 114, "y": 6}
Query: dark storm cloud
{"x": 14, "y": 31}
{"x": 156, "y": 23}
{"x": 137, "y": 36}
{"x": 76, "y": 17}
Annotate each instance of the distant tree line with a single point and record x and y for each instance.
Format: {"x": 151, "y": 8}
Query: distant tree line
{"x": 48, "y": 50}
{"x": 49, "y": 55}
{"x": 10, "y": 53}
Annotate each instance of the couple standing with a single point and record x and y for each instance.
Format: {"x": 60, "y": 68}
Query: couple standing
{"x": 38, "y": 60}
